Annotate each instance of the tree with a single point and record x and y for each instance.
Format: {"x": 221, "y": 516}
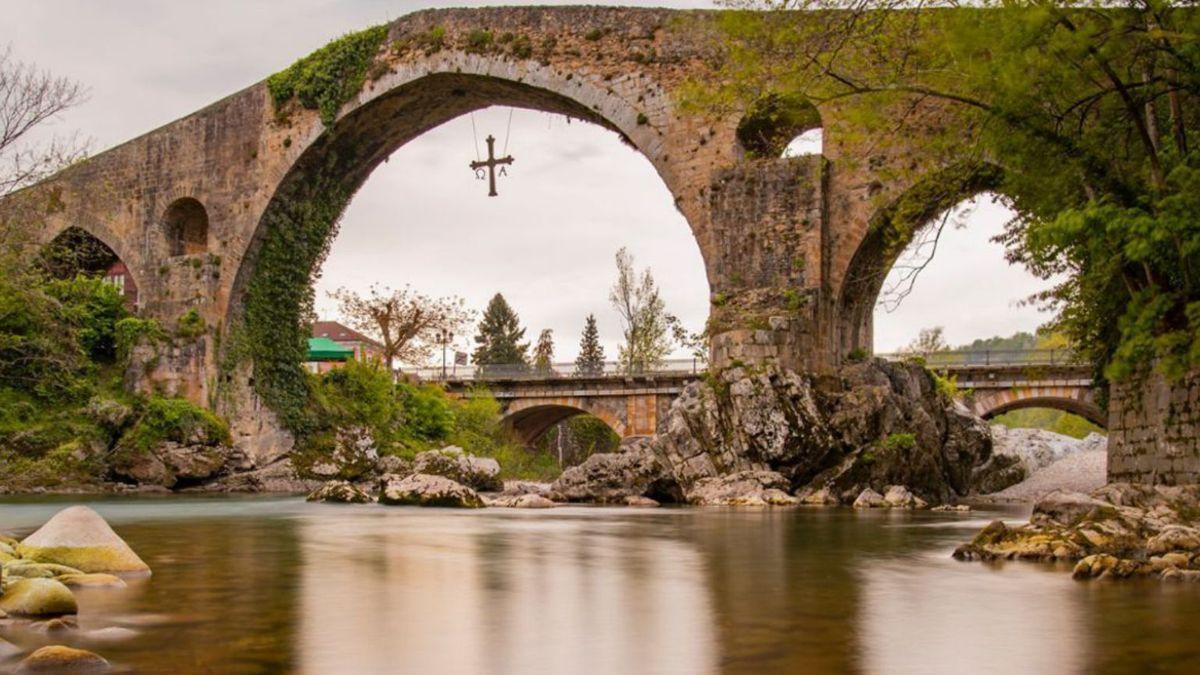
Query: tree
{"x": 928, "y": 341}
{"x": 646, "y": 323}
{"x": 543, "y": 353}
{"x": 1091, "y": 108}
{"x": 591, "y": 353}
{"x": 408, "y": 324}
{"x": 499, "y": 339}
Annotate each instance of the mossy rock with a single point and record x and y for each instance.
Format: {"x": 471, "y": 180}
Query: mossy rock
{"x": 60, "y": 659}
{"x": 38, "y": 597}
{"x": 78, "y": 537}
{"x": 35, "y": 570}
{"x": 92, "y": 581}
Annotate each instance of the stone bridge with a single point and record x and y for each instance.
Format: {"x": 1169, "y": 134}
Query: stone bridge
{"x": 630, "y": 405}
{"x": 229, "y": 211}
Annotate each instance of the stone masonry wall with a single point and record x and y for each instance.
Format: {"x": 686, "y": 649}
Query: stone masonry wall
{"x": 1152, "y": 431}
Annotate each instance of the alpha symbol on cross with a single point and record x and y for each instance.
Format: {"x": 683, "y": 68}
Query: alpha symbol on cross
{"x": 488, "y": 167}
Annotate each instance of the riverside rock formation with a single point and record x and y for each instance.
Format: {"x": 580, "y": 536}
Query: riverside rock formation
{"x": 873, "y": 425}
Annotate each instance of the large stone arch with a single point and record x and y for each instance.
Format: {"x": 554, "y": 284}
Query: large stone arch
{"x": 529, "y": 419}
{"x": 889, "y": 232}
{"x": 1074, "y": 399}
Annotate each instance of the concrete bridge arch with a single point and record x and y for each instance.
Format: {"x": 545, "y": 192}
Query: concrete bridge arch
{"x": 1073, "y": 398}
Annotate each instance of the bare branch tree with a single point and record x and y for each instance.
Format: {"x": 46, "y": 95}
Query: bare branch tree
{"x": 408, "y": 324}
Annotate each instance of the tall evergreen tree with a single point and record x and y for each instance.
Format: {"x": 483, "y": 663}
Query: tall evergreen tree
{"x": 543, "y": 352}
{"x": 499, "y": 339}
{"x": 591, "y": 353}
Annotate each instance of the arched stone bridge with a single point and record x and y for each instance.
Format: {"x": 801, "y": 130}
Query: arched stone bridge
{"x": 629, "y": 405}
{"x": 228, "y": 212}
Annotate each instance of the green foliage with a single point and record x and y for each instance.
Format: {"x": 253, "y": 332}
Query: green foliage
{"x": 947, "y": 387}
{"x": 901, "y": 442}
{"x": 93, "y": 307}
{"x": 642, "y": 120}
{"x": 1058, "y": 421}
{"x": 594, "y": 34}
{"x": 329, "y": 77}
{"x": 499, "y": 338}
{"x": 857, "y": 355}
{"x": 131, "y": 331}
{"x": 521, "y": 47}
{"x": 578, "y": 438}
{"x": 543, "y": 352}
{"x": 431, "y": 41}
{"x": 191, "y": 325}
{"x": 591, "y": 353}
{"x": 478, "y": 41}
{"x": 176, "y": 420}
{"x": 354, "y": 395}
{"x": 427, "y": 413}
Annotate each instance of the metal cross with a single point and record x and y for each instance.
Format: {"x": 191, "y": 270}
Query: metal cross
{"x": 490, "y": 164}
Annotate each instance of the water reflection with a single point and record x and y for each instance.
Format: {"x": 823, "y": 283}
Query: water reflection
{"x": 258, "y": 586}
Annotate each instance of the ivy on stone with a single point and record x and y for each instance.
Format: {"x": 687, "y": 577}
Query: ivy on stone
{"x": 329, "y": 77}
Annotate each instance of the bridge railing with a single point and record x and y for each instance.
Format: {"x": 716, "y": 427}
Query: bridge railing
{"x": 609, "y": 369}
{"x": 982, "y": 358}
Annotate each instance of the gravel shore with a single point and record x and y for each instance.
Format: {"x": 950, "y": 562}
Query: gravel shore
{"x": 1052, "y": 462}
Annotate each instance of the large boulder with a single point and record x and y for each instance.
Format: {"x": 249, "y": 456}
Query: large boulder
{"x": 478, "y": 473}
{"x": 339, "y": 491}
{"x": 425, "y": 490}
{"x": 171, "y": 465}
{"x": 280, "y": 476}
{"x": 872, "y": 425}
{"x": 60, "y": 659}
{"x": 608, "y": 478}
{"x": 38, "y": 597}
{"x": 78, "y": 537}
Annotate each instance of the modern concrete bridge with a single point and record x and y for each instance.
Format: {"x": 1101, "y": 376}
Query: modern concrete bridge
{"x": 991, "y": 383}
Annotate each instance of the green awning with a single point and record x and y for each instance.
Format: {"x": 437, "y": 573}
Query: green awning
{"x": 324, "y": 349}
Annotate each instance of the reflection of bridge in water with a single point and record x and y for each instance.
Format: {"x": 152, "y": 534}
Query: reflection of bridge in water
{"x": 991, "y": 382}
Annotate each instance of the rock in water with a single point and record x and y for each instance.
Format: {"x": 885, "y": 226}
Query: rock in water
{"x": 38, "y": 597}
{"x": 525, "y": 501}
{"x": 869, "y": 499}
{"x": 59, "y": 659}
{"x": 610, "y": 477}
{"x": 478, "y": 473}
{"x": 424, "y": 490}
{"x": 92, "y": 581}
{"x": 78, "y": 537}
{"x": 745, "y": 488}
{"x": 339, "y": 491}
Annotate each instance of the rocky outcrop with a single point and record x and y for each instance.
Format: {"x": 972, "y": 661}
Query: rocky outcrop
{"x": 1119, "y": 530}
{"x": 171, "y": 465}
{"x": 78, "y": 537}
{"x": 873, "y": 425}
{"x": 281, "y": 476}
{"x": 525, "y": 501}
{"x": 608, "y": 478}
{"x": 425, "y": 490}
{"x": 478, "y": 473}
{"x": 339, "y": 491}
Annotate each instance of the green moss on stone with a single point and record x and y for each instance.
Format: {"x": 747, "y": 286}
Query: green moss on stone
{"x": 329, "y": 77}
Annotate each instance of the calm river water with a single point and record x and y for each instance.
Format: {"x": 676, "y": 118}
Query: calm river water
{"x": 250, "y": 585}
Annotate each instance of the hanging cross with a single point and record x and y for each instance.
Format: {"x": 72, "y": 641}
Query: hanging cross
{"x": 490, "y": 164}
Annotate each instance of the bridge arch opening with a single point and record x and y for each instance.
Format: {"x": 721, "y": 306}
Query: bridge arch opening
{"x": 77, "y": 252}
{"x": 781, "y": 125}
{"x": 185, "y": 223}
{"x": 1080, "y": 407}
{"x": 273, "y": 293}
{"x": 530, "y": 423}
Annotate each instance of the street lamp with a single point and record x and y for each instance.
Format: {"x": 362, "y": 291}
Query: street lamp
{"x": 445, "y": 336}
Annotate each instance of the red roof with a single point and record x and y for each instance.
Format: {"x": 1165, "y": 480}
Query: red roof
{"x": 339, "y": 333}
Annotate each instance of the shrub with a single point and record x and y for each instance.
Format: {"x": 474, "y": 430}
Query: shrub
{"x": 93, "y": 308}
{"x": 191, "y": 325}
{"x": 427, "y": 412}
{"x": 177, "y": 420}
{"x": 899, "y": 442}
{"x": 947, "y": 387}
{"x": 356, "y": 394}
{"x": 131, "y": 331}
{"x": 329, "y": 77}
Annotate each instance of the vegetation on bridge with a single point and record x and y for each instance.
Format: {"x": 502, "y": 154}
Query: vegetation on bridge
{"x": 329, "y": 77}
{"x": 1091, "y": 109}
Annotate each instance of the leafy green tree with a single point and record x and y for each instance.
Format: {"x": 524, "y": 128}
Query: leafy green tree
{"x": 647, "y": 326}
{"x": 591, "y": 353}
{"x": 499, "y": 339}
{"x": 543, "y": 353}
{"x": 1090, "y": 109}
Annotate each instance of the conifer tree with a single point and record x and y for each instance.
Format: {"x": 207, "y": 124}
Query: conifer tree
{"x": 543, "y": 352}
{"x": 499, "y": 339}
{"x": 591, "y": 353}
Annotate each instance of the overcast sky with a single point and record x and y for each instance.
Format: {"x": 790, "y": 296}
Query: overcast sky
{"x": 573, "y": 197}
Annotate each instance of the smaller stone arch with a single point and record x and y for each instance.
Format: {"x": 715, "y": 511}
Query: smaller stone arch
{"x": 530, "y": 419}
{"x": 777, "y": 123}
{"x": 185, "y": 223}
{"x": 1077, "y": 400}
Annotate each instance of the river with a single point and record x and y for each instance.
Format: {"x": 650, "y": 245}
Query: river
{"x": 253, "y": 585}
